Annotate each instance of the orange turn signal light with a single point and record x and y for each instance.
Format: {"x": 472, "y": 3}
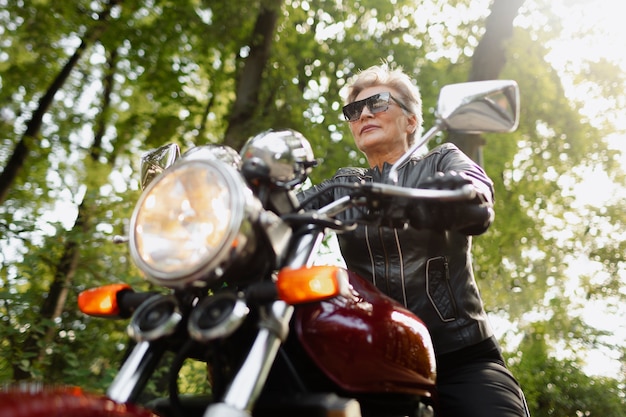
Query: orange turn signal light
{"x": 303, "y": 285}
{"x": 101, "y": 301}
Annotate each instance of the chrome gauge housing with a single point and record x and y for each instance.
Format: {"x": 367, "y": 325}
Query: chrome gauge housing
{"x": 284, "y": 157}
{"x": 192, "y": 223}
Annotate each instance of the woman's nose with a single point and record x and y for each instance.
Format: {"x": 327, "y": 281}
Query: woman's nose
{"x": 366, "y": 112}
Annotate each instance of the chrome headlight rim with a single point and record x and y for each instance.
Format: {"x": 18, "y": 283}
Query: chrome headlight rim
{"x": 242, "y": 208}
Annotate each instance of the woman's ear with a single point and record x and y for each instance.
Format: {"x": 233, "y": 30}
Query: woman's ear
{"x": 411, "y": 125}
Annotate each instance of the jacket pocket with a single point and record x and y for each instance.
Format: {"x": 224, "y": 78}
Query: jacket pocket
{"x": 439, "y": 290}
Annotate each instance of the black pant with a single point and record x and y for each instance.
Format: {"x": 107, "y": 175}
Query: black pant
{"x": 480, "y": 389}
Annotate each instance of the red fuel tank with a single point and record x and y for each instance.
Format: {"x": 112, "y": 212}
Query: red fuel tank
{"x": 367, "y": 342}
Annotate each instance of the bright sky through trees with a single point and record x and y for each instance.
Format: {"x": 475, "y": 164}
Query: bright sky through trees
{"x": 592, "y": 31}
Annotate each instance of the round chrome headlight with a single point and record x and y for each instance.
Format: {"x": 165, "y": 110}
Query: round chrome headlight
{"x": 192, "y": 222}
{"x": 219, "y": 152}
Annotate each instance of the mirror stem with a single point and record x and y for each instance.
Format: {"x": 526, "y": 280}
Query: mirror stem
{"x": 393, "y": 172}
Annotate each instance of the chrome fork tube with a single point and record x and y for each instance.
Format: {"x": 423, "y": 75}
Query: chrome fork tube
{"x": 137, "y": 368}
{"x": 245, "y": 388}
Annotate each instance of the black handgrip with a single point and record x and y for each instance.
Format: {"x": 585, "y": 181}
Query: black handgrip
{"x": 261, "y": 292}
{"x": 128, "y": 301}
{"x": 466, "y": 218}
{"x": 475, "y": 219}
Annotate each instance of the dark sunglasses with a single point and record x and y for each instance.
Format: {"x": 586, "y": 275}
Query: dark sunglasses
{"x": 375, "y": 104}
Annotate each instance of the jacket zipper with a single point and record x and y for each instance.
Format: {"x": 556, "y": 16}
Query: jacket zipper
{"x": 371, "y": 255}
{"x": 446, "y": 268}
{"x": 401, "y": 258}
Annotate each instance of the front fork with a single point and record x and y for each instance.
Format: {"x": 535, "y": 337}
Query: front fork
{"x": 246, "y": 387}
{"x": 138, "y": 367}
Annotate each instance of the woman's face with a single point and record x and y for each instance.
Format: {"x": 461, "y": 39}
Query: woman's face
{"x": 383, "y": 133}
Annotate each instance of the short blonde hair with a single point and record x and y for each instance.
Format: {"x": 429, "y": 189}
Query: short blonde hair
{"x": 396, "y": 78}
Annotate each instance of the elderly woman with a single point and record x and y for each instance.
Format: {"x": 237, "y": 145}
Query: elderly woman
{"x": 426, "y": 267}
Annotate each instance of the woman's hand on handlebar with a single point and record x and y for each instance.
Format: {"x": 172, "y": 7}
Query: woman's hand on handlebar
{"x": 471, "y": 218}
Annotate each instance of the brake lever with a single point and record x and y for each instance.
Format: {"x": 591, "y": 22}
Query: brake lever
{"x": 318, "y": 219}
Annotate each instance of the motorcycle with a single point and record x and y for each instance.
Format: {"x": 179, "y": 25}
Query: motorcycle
{"x": 223, "y": 234}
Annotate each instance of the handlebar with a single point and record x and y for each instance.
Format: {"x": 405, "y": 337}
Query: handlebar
{"x": 374, "y": 195}
{"x": 465, "y": 193}
{"x": 128, "y": 301}
{"x": 368, "y": 192}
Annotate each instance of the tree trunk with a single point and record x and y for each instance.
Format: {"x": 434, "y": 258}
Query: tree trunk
{"x": 65, "y": 270}
{"x": 249, "y": 81}
{"x": 205, "y": 114}
{"x": 52, "y": 305}
{"x": 488, "y": 61}
{"x": 101, "y": 124}
{"x": 22, "y": 149}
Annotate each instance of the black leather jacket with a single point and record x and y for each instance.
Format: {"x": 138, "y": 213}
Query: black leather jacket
{"x": 429, "y": 272}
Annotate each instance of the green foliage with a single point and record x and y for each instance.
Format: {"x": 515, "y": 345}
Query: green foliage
{"x": 174, "y": 67}
{"x": 558, "y": 387}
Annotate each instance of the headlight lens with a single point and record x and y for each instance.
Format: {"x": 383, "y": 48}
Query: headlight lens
{"x": 191, "y": 222}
